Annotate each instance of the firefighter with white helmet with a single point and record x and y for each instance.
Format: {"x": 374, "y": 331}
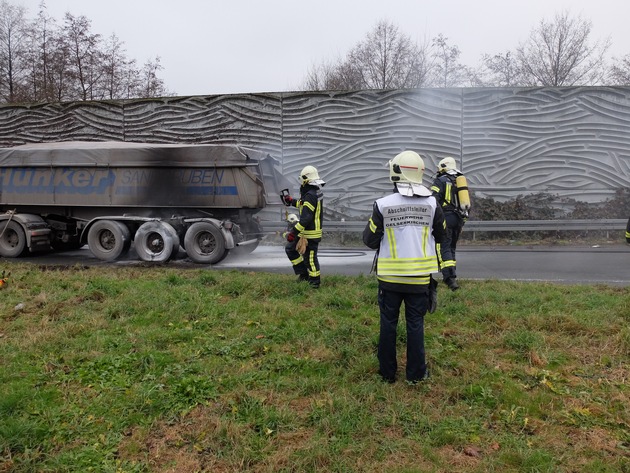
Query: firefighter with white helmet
{"x": 309, "y": 227}
{"x": 451, "y": 191}
{"x": 405, "y": 229}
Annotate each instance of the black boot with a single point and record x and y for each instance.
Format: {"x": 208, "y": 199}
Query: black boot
{"x": 452, "y": 283}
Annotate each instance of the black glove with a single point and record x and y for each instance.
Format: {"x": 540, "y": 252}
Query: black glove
{"x": 287, "y": 200}
{"x": 290, "y": 237}
{"x": 433, "y": 295}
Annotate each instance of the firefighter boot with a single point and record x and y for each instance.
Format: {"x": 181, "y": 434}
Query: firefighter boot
{"x": 452, "y": 283}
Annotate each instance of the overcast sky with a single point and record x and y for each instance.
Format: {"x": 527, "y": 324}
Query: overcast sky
{"x": 212, "y": 47}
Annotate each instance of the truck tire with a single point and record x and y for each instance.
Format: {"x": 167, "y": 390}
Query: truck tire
{"x": 204, "y": 243}
{"x": 13, "y": 240}
{"x": 108, "y": 240}
{"x": 156, "y": 241}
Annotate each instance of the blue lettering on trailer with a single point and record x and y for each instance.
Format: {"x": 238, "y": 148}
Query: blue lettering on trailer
{"x": 200, "y": 176}
{"x": 198, "y": 190}
{"x": 57, "y": 181}
{"x": 135, "y": 177}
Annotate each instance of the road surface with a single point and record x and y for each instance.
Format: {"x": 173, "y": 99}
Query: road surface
{"x": 605, "y": 264}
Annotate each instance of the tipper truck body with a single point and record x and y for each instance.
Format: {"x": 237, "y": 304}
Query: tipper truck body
{"x": 160, "y": 198}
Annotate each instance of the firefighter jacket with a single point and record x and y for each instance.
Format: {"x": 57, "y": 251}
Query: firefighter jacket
{"x": 628, "y": 232}
{"x": 311, "y": 210}
{"x": 445, "y": 191}
{"x": 405, "y": 231}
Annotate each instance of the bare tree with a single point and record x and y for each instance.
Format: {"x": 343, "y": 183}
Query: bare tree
{"x": 620, "y": 71}
{"x": 61, "y": 79}
{"x": 115, "y": 67}
{"x": 41, "y": 38}
{"x": 13, "y": 48}
{"x": 84, "y": 66}
{"x": 448, "y": 71}
{"x": 151, "y": 85}
{"x": 499, "y": 70}
{"x": 560, "y": 53}
{"x": 386, "y": 59}
{"x": 40, "y": 61}
{"x": 331, "y": 76}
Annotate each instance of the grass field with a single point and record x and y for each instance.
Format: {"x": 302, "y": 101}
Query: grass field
{"x": 155, "y": 369}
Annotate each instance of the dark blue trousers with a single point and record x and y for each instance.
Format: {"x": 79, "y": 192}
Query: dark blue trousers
{"x": 416, "y": 305}
{"x": 454, "y": 226}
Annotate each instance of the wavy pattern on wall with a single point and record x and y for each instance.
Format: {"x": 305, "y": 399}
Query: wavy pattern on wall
{"x": 350, "y": 137}
{"x": 249, "y": 120}
{"x": 574, "y": 142}
{"x": 61, "y": 122}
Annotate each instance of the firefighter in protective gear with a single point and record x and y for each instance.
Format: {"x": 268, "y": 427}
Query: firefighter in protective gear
{"x": 309, "y": 226}
{"x": 405, "y": 228}
{"x": 628, "y": 232}
{"x": 455, "y": 203}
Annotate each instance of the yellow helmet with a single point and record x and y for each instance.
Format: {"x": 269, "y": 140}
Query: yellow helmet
{"x": 309, "y": 175}
{"x": 406, "y": 167}
{"x": 447, "y": 164}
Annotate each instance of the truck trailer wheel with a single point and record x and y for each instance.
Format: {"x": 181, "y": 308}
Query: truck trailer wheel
{"x": 156, "y": 241}
{"x": 13, "y": 240}
{"x": 109, "y": 240}
{"x": 204, "y": 243}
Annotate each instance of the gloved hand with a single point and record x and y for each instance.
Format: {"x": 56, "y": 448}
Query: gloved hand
{"x": 287, "y": 200}
{"x": 433, "y": 295}
{"x": 291, "y": 237}
{"x": 301, "y": 245}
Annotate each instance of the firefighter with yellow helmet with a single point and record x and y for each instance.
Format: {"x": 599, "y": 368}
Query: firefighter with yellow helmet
{"x": 451, "y": 191}
{"x": 309, "y": 227}
{"x": 405, "y": 229}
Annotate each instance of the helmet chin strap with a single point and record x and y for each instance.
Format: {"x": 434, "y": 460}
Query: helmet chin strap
{"x": 409, "y": 189}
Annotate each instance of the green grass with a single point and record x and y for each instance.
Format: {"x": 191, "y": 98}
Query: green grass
{"x": 136, "y": 369}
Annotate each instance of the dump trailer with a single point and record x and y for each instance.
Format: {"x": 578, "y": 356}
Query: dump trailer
{"x": 160, "y": 198}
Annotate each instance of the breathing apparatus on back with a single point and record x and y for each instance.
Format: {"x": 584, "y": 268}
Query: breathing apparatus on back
{"x": 448, "y": 166}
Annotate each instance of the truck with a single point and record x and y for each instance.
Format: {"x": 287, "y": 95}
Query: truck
{"x": 159, "y": 199}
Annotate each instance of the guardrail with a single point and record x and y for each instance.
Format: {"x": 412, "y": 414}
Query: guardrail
{"x": 607, "y": 225}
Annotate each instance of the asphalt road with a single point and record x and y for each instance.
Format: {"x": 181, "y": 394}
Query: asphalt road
{"x": 608, "y": 264}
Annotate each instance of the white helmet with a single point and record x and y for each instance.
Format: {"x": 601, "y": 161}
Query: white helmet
{"x": 406, "y": 167}
{"x": 406, "y": 171}
{"x": 309, "y": 175}
{"x": 292, "y": 219}
{"x": 447, "y": 164}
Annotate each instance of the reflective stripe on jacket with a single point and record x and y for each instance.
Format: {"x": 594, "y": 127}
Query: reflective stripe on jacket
{"x": 407, "y": 249}
{"x": 311, "y": 213}
{"x": 445, "y": 192}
